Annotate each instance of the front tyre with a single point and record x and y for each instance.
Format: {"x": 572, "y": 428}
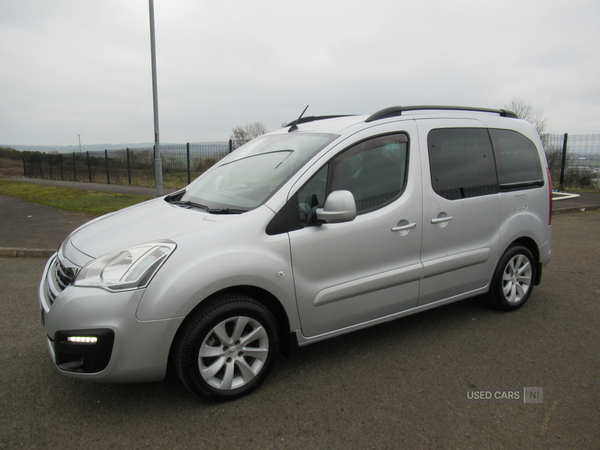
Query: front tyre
{"x": 227, "y": 349}
{"x": 513, "y": 280}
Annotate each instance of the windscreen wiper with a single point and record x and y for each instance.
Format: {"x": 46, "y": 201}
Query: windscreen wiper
{"x": 227, "y": 211}
{"x": 191, "y": 204}
{"x": 207, "y": 209}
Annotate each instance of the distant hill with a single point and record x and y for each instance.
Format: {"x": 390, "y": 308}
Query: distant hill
{"x": 75, "y": 148}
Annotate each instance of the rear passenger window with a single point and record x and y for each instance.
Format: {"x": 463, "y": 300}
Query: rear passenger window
{"x": 517, "y": 159}
{"x": 461, "y": 163}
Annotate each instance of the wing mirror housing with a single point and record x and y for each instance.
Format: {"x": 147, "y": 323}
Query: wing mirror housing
{"x": 339, "y": 207}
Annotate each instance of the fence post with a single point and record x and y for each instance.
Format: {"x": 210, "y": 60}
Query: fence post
{"x": 41, "y": 171}
{"x": 128, "y": 167}
{"x": 107, "y": 171}
{"x": 89, "y": 167}
{"x": 187, "y": 149}
{"x": 50, "y": 165}
{"x": 62, "y": 173}
{"x": 74, "y": 168}
{"x": 24, "y": 168}
{"x": 230, "y": 145}
{"x": 563, "y": 161}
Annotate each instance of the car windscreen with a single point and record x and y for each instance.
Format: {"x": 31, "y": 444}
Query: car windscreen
{"x": 248, "y": 176}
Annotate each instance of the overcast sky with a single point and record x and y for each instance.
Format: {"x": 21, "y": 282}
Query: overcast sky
{"x": 73, "y": 67}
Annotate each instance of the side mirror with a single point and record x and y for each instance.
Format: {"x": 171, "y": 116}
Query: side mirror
{"x": 339, "y": 207}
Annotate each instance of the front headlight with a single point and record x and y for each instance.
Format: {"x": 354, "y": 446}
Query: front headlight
{"x": 132, "y": 268}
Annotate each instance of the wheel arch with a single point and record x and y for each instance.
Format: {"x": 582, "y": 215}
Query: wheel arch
{"x": 532, "y": 246}
{"x": 289, "y": 343}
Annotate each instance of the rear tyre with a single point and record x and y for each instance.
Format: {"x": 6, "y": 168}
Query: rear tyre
{"x": 513, "y": 280}
{"x": 227, "y": 349}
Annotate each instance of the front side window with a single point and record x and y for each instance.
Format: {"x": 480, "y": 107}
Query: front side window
{"x": 461, "y": 163}
{"x": 248, "y": 176}
{"x": 373, "y": 170}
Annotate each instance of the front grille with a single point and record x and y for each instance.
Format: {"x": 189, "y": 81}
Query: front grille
{"x": 58, "y": 278}
{"x": 64, "y": 275}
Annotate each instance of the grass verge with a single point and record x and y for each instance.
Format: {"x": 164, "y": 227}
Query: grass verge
{"x": 77, "y": 200}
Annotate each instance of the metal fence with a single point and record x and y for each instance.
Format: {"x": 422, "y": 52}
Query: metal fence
{"x": 181, "y": 164}
{"x": 574, "y": 161}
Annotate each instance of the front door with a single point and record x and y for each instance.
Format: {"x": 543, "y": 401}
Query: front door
{"x": 350, "y": 273}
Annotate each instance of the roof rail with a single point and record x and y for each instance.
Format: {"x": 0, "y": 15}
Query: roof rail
{"x": 394, "y": 111}
{"x": 314, "y": 118}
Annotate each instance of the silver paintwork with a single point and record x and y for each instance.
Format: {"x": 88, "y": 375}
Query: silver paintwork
{"x": 339, "y": 207}
{"x": 416, "y": 253}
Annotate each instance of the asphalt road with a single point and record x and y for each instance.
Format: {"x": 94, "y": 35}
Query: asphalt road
{"x": 398, "y": 385}
{"x": 33, "y": 226}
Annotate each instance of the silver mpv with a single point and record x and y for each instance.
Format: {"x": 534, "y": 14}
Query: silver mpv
{"x": 326, "y": 226}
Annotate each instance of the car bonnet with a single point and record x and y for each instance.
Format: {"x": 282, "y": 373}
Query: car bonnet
{"x": 150, "y": 221}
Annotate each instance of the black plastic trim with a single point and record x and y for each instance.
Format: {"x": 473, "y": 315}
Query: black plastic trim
{"x": 394, "y": 111}
{"x": 509, "y": 187}
{"x": 289, "y": 347}
{"x": 173, "y": 197}
{"x": 83, "y": 358}
{"x": 285, "y": 220}
{"x": 538, "y": 274}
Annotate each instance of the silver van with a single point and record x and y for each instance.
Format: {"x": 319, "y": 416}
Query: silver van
{"x": 327, "y": 226}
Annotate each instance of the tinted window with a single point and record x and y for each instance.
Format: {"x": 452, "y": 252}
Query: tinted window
{"x": 313, "y": 193}
{"x": 461, "y": 163}
{"x": 517, "y": 158}
{"x": 373, "y": 170}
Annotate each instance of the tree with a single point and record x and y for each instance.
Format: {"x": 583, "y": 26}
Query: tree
{"x": 246, "y": 133}
{"x": 524, "y": 110}
{"x": 10, "y": 153}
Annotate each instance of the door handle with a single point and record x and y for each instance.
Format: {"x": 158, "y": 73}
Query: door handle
{"x": 441, "y": 220}
{"x": 406, "y": 227}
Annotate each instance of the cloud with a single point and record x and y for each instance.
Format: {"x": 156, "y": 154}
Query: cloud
{"x": 72, "y": 67}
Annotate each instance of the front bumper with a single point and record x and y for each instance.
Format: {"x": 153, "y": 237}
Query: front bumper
{"x": 94, "y": 334}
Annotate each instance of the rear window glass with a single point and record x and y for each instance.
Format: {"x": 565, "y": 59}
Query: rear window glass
{"x": 517, "y": 158}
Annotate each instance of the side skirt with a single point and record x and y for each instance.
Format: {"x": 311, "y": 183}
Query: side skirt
{"x": 303, "y": 340}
